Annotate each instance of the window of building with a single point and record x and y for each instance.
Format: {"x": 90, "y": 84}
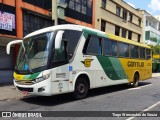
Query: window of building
{"x": 139, "y": 38}
{"x": 103, "y": 25}
{"x": 84, "y": 2}
{"x": 117, "y": 30}
{"x": 124, "y": 14}
{"x": 46, "y": 4}
{"x": 118, "y": 11}
{"x": 71, "y": 4}
{"x": 114, "y": 48}
{"x": 153, "y": 37}
{"x": 32, "y": 23}
{"x": 89, "y": 7}
{"x": 89, "y": 3}
{"x": 84, "y": 10}
{"x": 123, "y": 49}
{"x": 82, "y": 6}
{"x": 130, "y": 35}
{"x": 77, "y": 7}
{"x": 80, "y": 10}
{"x": 62, "y": 3}
{"x": 107, "y": 46}
{"x": 124, "y": 31}
{"x": 146, "y": 22}
{"x": 147, "y": 35}
{"x": 130, "y": 17}
{"x": 139, "y": 20}
{"x": 94, "y": 46}
{"x": 103, "y": 3}
{"x": 78, "y": 1}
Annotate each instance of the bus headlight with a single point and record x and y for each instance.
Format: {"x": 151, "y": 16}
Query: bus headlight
{"x": 44, "y": 77}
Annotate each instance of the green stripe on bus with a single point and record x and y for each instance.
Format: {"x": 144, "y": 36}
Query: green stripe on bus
{"x": 112, "y": 67}
{"x": 26, "y": 76}
{"x": 118, "y": 67}
{"x": 86, "y": 32}
{"x": 34, "y": 76}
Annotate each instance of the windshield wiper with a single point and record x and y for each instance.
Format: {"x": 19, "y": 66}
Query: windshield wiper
{"x": 27, "y": 60}
{"x": 25, "y": 56}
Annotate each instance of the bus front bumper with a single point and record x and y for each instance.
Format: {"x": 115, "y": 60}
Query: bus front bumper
{"x": 42, "y": 88}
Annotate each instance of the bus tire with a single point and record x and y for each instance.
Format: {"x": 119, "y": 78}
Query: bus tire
{"x": 81, "y": 88}
{"x": 136, "y": 80}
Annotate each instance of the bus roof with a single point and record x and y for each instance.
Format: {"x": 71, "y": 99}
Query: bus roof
{"x": 121, "y": 39}
{"x": 57, "y": 27}
{"x": 81, "y": 28}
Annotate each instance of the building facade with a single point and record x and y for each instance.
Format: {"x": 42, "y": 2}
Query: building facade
{"x": 151, "y": 29}
{"x": 80, "y": 12}
{"x": 17, "y": 19}
{"x": 157, "y": 17}
{"x": 119, "y": 18}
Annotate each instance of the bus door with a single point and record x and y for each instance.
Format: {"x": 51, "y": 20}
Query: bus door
{"x": 60, "y": 74}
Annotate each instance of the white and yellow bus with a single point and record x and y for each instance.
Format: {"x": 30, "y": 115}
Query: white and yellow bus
{"x": 73, "y": 58}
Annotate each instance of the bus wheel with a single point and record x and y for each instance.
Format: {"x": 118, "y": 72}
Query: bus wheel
{"x": 136, "y": 80}
{"x": 81, "y": 88}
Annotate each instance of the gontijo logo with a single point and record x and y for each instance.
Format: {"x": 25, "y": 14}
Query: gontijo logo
{"x": 87, "y": 62}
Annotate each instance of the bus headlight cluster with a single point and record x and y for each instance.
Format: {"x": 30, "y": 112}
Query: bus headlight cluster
{"x": 44, "y": 77}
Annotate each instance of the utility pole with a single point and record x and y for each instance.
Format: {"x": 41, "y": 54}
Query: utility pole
{"x": 54, "y": 12}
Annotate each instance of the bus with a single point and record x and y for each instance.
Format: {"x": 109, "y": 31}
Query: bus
{"x": 74, "y": 58}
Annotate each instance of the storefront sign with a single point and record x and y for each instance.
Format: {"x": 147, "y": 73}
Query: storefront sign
{"x": 7, "y": 21}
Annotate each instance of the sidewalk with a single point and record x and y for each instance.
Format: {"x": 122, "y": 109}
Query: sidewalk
{"x": 155, "y": 74}
{"x": 9, "y": 92}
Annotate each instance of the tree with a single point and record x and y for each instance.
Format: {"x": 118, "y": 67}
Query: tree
{"x": 155, "y": 49}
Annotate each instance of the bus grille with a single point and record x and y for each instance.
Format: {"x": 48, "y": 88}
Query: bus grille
{"x": 25, "y": 82}
{"x": 25, "y": 89}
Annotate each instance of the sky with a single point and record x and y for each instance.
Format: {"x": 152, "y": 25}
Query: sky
{"x": 151, "y": 6}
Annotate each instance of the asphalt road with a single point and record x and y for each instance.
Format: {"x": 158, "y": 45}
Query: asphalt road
{"x": 114, "y": 98}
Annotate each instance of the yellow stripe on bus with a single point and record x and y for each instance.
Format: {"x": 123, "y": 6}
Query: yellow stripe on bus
{"x": 18, "y": 77}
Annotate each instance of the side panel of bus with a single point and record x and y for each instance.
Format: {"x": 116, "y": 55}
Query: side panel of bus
{"x": 143, "y": 67}
{"x": 104, "y": 70}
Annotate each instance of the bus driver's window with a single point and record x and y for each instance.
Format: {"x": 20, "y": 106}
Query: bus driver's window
{"x": 61, "y": 53}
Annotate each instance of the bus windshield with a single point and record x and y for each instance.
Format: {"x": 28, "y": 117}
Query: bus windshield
{"x": 34, "y": 52}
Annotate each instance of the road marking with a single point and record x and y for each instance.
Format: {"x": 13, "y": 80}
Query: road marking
{"x": 137, "y": 88}
{"x": 147, "y": 109}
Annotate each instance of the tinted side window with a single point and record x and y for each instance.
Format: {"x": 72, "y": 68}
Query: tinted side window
{"x": 61, "y": 53}
{"x": 72, "y": 37}
{"x": 126, "y": 50}
{"x": 134, "y": 51}
{"x": 142, "y": 53}
{"x": 148, "y": 54}
{"x": 94, "y": 46}
{"x": 114, "y": 48}
{"x": 107, "y": 46}
{"x": 123, "y": 49}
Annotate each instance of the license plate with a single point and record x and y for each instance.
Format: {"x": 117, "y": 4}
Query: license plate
{"x": 25, "y": 92}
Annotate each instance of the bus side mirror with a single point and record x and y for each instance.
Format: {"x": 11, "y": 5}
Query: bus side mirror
{"x": 11, "y": 43}
{"x": 58, "y": 39}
